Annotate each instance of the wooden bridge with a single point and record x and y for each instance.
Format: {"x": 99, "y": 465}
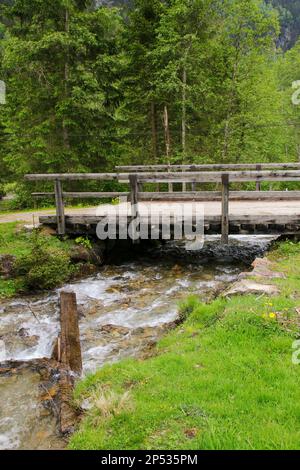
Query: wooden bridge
{"x": 226, "y": 210}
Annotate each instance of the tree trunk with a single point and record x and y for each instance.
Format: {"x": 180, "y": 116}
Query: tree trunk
{"x": 183, "y": 123}
{"x": 167, "y": 140}
{"x": 154, "y": 132}
{"x": 66, "y": 139}
{"x": 227, "y": 130}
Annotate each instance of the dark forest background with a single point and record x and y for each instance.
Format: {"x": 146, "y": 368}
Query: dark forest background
{"x": 95, "y": 84}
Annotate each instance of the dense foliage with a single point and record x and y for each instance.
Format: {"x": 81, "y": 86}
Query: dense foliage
{"x": 44, "y": 267}
{"x": 91, "y": 86}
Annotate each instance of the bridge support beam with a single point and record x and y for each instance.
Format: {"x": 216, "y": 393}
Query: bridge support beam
{"x": 225, "y": 209}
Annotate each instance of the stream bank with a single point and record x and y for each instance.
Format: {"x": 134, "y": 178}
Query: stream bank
{"x": 227, "y": 378}
{"x": 124, "y": 310}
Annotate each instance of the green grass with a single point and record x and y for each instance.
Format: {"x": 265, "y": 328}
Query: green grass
{"x": 222, "y": 380}
{"x": 15, "y": 241}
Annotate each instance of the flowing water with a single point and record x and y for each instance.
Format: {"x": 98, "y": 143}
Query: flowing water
{"x": 123, "y": 310}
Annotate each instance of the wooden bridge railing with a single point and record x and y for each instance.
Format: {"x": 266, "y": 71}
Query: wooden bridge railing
{"x": 135, "y": 179}
{"x": 208, "y": 167}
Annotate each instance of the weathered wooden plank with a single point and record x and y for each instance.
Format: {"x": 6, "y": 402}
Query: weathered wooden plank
{"x": 217, "y": 195}
{"x": 187, "y": 196}
{"x": 60, "y": 213}
{"x": 188, "y": 177}
{"x": 293, "y": 219}
{"x": 216, "y": 177}
{"x": 75, "y": 176}
{"x": 84, "y": 195}
{"x": 225, "y": 209}
{"x": 208, "y": 167}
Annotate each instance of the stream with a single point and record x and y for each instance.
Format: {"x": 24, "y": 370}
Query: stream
{"x": 123, "y": 309}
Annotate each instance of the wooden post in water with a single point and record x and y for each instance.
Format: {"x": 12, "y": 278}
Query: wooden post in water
{"x": 225, "y": 209}
{"x": 258, "y": 183}
{"x": 60, "y": 211}
{"x": 69, "y": 342}
{"x": 68, "y": 354}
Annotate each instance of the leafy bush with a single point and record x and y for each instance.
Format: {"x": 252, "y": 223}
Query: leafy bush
{"x": 22, "y": 197}
{"x": 45, "y": 266}
{"x": 84, "y": 241}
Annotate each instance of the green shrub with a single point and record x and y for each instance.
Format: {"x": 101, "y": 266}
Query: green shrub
{"x": 84, "y": 241}
{"x": 44, "y": 267}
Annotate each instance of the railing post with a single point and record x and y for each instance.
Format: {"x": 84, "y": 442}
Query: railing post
{"x": 60, "y": 211}
{"x": 225, "y": 209}
{"x": 170, "y": 185}
{"x": 258, "y": 183}
{"x": 134, "y": 198}
{"x": 183, "y": 185}
{"x": 134, "y": 195}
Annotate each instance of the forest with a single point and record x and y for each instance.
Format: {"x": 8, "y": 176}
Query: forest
{"x": 90, "y": 85}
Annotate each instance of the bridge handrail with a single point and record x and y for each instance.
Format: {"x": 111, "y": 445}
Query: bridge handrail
{"x": 174, "y": 177}
{"x": 208, "y": 167}
{"x": 136, "y": 179}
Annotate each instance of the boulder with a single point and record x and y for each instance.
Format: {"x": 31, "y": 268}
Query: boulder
{"x": 246, "y": 286}
{"x": 114, "y": 330}
{"x": 79, "y": 254}
{"x": 262, "y": 267}
{"x": 29, "y": 228}
{"x": 82, "y": 254}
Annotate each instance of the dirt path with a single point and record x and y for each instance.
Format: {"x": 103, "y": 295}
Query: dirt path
{"x": 31, "y": 217}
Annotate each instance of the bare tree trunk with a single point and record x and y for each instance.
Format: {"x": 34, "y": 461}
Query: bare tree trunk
{"x": 154, "y": 132}
{"x": 167, "y": 140}
{"x": 230, "y": 109}
{"x": 154, "y": 136}
{"x": 66, "y": 139}
{"x": 183, "y": 123}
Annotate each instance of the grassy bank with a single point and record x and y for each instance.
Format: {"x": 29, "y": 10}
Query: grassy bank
{"x": 39, "y": 259}
{"x": 224, "y": 379}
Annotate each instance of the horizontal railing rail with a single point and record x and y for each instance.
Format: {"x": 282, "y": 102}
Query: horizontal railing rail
{"x": 208, "y": 167}
{"x": 174, "y": 177}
